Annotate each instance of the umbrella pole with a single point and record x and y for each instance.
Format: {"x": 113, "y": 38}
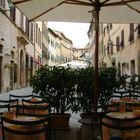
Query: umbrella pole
{"x": 96, "y": 76}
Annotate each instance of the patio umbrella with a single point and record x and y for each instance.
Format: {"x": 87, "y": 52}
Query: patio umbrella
{"x": 105, "y": 11}
{"x": 74, "y": 64}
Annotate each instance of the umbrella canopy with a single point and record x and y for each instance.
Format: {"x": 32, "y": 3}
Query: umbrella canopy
{"x": 119, "y": 11}
{"x": 74, "y": 64}
{"x": 105, "y": 11}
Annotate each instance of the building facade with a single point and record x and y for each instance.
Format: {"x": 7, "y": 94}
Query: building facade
{"x": 59, "y": 47}
{"x": 122, "y": 47}
{"x": 119, "y": 46}
{"x": 26, "y": 46}
{"x": 17, "y": 48}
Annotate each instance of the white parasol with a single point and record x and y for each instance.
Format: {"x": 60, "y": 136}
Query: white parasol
{"x": 107, "y": 11}
{"x": 74, "y": 64}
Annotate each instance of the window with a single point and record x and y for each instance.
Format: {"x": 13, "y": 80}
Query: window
{"x": 39, "y": 37}
{"x": 49, "y": 40}
{"x": 12, "y": 54}
{"x": 1, "y": 48}
{"x": 2, "y": 3}
{"x": 107, "y": 49}
{"x": 22, "y": 21}
{"x": 139, "y": 30}
{"x": 52, "y": 43}
{"x": 31, "y": 31}
{"x": 109, "y": 27}
{"x": 13, "y": 13}
{"x": 132, "y": 67}
{"x": 111, "y": 50}
{"x": 52, "y": 58}
{"x": 36, "y": 29}
{"x": 118, "y": 43}
{"x": 27, "y": 27}
{"x": 122, "y": 38}
{"x": 131, "y": 35}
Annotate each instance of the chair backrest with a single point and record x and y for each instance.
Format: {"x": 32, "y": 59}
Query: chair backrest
{"x": 20, "y": 97}
{"x": 116, "y": 95}
{"x": 120, "y": 94}
{"x": 35, "y": 108}
{"x": 130, "y": 106}
{"x": 114, "y": 107}
{"x": 4, "y": 108}
{"x": 34, "y": 101}
{"x": 38, "y": 97}
{"x": 13, "y": 102}
{"x": 25, "y": 127}
{"x": 135, "y": 94}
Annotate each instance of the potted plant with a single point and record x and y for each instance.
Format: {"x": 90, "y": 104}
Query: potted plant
{"x": 57, "y": 85}
{"x": 108, "y": 84}
{"x": 84, "y": 92}
{"x": 85, "y": 89}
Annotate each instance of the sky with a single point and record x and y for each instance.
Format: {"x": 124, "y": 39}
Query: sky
{"x": 76, "y": 32}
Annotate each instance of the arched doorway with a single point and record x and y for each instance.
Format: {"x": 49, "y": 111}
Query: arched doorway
{"x": 21, "y": 68}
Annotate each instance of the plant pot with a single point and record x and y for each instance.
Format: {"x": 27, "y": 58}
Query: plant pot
{"x": 61, "y": 121}
{"x": 84, "y": 115}
{"x": 89, "y": 119}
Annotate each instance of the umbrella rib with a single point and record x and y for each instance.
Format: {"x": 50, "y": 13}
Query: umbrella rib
{"x": 119, "y": 3}
{"x": 46, "y": 11}
{"x": 78, "y": 2}
{"x": 105, "y": 1}
{"x": 131, "y": 7}
{"x": 67, "y": 2}
{"x": 19, "y": 2}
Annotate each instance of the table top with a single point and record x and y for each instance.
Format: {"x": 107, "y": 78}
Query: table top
{"x": 122, "y": 115}
{"x": 24, "y": 118}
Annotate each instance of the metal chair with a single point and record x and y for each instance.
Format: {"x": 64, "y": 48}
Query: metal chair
{"x": 35, "y": 102}
{"x": 38, "y": 97}
{"x": 12, "y": 103}
{"x": 3, "y": 108}
{"x": 33, "y": 108}
{"x": 130, "y": 106}
{"x": 38, "y": 109}
{"x": 114, "y": 107}
{"x": 20, "y": 97}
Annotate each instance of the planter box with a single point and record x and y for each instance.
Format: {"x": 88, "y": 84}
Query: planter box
{"x": 60, "y": 121}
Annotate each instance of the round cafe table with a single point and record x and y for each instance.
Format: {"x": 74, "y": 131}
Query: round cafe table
{"x": 10, "y": 136}
{"x": 135, "y": 135}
